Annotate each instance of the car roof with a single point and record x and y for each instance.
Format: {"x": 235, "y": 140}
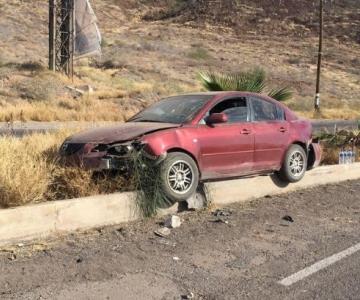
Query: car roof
{"x": 224, "y": 93}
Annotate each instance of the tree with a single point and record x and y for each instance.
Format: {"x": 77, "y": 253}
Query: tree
{"x": 249, "y": 81}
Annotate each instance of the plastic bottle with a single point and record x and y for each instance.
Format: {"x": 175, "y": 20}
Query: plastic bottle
{"x": 348, "y": 157}
{"x": 341, "y": 157}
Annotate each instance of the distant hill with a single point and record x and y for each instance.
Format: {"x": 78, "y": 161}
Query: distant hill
{"x": 155, "y": 48}
{"x": 272, "y": 17}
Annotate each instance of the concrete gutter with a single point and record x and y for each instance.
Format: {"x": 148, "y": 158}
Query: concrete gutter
{"x": 41, "y": 220}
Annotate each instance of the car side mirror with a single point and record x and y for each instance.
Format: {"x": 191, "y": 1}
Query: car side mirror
{"x": 216, "y": 118}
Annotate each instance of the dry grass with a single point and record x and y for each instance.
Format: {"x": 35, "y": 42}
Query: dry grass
{"x": 31, "y": 172}
{"x": 25, "y": 170}
{"x": 39, "y": 95}
{"x": 83, "y": 109}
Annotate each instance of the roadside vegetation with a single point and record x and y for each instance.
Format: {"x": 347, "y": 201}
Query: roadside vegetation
{"x": 31, "y": 172}
{"x": 333, "y": 143}
{"x": 147, "y": 182}
{"x": 250, "y": 81}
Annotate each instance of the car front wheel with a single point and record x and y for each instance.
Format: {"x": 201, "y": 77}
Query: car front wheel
{"x": 294, "y": 164}
{"x": 179, "y": 176}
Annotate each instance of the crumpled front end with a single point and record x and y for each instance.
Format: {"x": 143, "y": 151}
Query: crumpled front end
{"x": 118, "y": 156}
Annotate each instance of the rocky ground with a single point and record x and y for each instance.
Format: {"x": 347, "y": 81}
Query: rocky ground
{"x": 240, "y": 252}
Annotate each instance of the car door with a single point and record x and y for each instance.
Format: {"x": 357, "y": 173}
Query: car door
{"x": 271, "y": 133}
{"x": 226, "y": 149}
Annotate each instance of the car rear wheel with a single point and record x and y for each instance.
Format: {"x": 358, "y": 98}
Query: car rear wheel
{"x": 294, "y": 165}
{"x": 179, "y": 175}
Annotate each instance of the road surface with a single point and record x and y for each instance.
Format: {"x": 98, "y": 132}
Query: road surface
{"x": 252, "y": 253}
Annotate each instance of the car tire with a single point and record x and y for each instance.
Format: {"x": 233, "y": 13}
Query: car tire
{"x": 179, "y": 176}
{"x": 294, "y": 165}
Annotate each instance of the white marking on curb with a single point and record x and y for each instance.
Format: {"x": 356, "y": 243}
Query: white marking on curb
{"x": 322, "y": 264}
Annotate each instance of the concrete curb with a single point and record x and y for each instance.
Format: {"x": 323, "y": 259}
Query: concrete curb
{"x": 240, "y": 190}
{"x": 41, "y": 220}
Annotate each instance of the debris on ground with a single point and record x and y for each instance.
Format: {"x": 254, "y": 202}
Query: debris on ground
{"x": 288, "y": 219}
{"x": 189, "y": 296}
{"x": 162, "y": 232}
{"x": 220, "y": 220}
{"x": 79, "y": 260}
{"x": 176, "y": 258}
{"x": 196, "y": 201}
{"x": 221, "y": 215}
{"x": 12, "y": 256}
{"x": 173, "y": 222}
{"x": 225, "y": 212}
{"x": 81, "y": 90}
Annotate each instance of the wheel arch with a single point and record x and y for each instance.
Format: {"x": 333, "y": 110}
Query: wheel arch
{"x": 301, "y": 144}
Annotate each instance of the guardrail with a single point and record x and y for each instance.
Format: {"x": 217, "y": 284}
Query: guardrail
{"x": 20, "y": 129}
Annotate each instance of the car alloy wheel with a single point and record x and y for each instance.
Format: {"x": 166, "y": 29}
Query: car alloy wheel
{"x": 180, "y": 177}
{"x": 296, "y": 163}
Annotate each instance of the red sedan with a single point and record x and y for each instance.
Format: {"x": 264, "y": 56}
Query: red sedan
{"x": 204, "y": 136}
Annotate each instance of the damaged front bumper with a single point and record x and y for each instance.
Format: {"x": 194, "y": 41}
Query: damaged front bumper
{"x": 120, "y": 157}
{"x": 126, "y": 163}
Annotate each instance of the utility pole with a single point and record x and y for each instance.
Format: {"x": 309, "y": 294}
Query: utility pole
{"x": 318, "y": 74}
{"x": 61, "y": 36}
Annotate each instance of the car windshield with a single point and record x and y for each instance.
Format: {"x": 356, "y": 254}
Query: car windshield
{"x": 178, "y": 110}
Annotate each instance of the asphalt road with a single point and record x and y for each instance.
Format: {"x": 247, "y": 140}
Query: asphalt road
{"x": 20, "y": 129}
{"x": 244, "y": 255}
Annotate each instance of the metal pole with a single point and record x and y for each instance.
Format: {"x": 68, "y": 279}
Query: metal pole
{"x": 317, "y": 96}
{"x": 52, "y": 35}
{"x": 73, "y": 30}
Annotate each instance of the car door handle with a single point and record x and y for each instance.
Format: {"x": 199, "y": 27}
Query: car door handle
{"x": 282, "y": 129}
{"x": 245, "y": 131}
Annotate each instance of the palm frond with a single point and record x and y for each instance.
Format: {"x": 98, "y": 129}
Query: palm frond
{"x": 209, "y": 82}
{"x": 248, "y": 81}
{"x": 251, "y": 81}
{"x": 281, "y": 94}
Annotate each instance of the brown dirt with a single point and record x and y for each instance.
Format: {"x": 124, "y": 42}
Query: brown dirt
{"x": 143, "y": 60}
{"x": 264, "y": 17}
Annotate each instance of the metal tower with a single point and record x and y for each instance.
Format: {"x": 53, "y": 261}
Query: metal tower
{"x": 61, "y": 36}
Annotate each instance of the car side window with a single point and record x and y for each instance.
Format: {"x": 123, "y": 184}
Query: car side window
{"x": 265, "y": 111}
{"x": 236, "y": 109}
{"x": 280, "y": 113}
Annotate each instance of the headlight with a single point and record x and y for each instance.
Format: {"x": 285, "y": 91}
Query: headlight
{"x": 121, "y": 150}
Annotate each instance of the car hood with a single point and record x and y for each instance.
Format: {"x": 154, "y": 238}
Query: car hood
{"x": 120, "y": 133}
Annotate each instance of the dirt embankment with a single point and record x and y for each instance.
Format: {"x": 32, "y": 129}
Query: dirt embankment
{"x": 152, "y": 49}
{"x": 270, "y": 17}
